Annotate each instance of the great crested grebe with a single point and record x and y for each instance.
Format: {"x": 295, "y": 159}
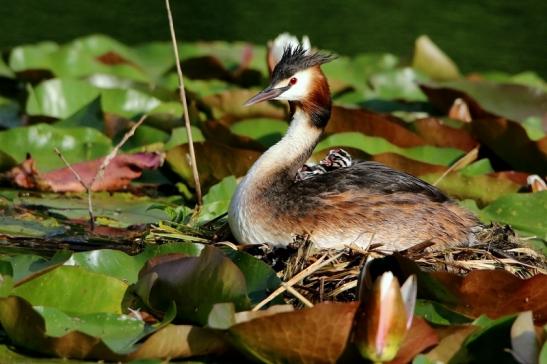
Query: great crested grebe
{"x": 360, "y": 203}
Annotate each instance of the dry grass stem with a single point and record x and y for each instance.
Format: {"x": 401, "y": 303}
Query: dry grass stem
{"x": 182, "y": 94}
{"x": 297, "y": 294}
{"x": 464, "y": 161}
{"x": 318, "y": 264}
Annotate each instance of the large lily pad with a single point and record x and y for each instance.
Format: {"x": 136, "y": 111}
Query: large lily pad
{"x": 76, "y": 144}
{"x": 90, "y": 292}
{"x": 375, "y": 145}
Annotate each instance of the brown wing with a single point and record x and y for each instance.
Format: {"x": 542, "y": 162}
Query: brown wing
{"x": 367, "y": 177}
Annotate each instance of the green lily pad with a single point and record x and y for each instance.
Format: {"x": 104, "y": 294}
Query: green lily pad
{"x": 29, "y": 227}
{"x": 59, "y": 98}
{"x": 266, "y": 131}
{"x": 438, "y": 314}
{"x": 74, "y": 290}
{"x": 91, "y": 116}
{"x": 482, "y": 188}
{"x": 32, "y": 57}
{"x": 478, "y": 168}
{"x": 118, "y": 332}
{"x": 125, "y": 267}
{"x": 179, "y": 136}
{"x": 127, "y": 102}
{"x": 488, "y": 343}
{"x": 217, "y": 200}
{"x": 261, "y": 279}
{"x": 124, "y": 209}
{"x": 376, "y": 145}
{"x": 523, "y": 211}
{"x": 40, "y": 140}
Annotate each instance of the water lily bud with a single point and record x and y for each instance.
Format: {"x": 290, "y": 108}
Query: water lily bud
{"x": 381, "y": 322}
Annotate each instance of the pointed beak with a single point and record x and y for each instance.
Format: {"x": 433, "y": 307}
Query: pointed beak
{"x": 266, "y": 94}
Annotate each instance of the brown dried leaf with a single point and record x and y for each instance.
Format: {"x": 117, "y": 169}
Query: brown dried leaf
{"x": 228, "y": 106}
{"x": 117, "y": 175}
{"x": 180, "y": 341}
{"x": 215, "y": 161}
{"x": 523, "y": 154}
{"x": 420, "y": 337}
{"x": 434, "y": 132}
{"x": 496, "y": 293}
{"x": 451, "y": 342}
{"x": 315, "y": 335}
{"x": 374, "y": 124}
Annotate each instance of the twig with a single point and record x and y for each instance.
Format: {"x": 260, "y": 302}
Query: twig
{"x": 460, "y": 163}
{"x": 297, "y": 294}
{"x": 300, "y": 276}
{"x": 85, "y": 186}
{"x": 114, "y": 152}
{"x": 185, "y": 106}
{"x": 100, "y": 172}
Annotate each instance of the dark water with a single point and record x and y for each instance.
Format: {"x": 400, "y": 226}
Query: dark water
{"x": 479, "y": 34}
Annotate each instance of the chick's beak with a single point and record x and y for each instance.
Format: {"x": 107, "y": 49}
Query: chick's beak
{"x": 266, "y": 94}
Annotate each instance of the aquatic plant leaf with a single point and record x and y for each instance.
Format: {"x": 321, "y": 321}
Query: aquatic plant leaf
{"x": 195, "y": 284}
{"x": 89, "y": 292}
{"x": 377, "y": 145}
{"x": 76, "y": 144}
{"x": 432, "y": 61}
{"x": 523, "y": 211}
{"x": 266, "y": 131}
{"x": 126, "y": 267}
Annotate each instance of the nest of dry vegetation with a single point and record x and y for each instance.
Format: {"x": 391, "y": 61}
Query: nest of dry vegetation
{"x": 313, "y": 275}
{"x": 320, "y": 275}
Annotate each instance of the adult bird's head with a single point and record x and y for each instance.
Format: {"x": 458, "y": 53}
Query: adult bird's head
{"x": 297, "y": 77}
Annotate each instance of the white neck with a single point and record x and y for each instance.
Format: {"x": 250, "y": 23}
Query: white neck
{"x": 290, "y": 153}
{"x": 273, "y": 172}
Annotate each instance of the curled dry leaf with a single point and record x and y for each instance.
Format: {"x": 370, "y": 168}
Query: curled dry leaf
{"x": 460, "y": 111}
{"x": 314, "y": 335}
{"x": 536, "y": 183}
{"x": 117, "y": 175}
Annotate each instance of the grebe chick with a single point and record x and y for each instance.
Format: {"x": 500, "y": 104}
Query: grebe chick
{"x": 308, "y": 171}
{"x": 337, "y": 158}
{"x": 364, "y": 203}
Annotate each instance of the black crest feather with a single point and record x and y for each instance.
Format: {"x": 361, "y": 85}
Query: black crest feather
{"x": 296, "y": 59}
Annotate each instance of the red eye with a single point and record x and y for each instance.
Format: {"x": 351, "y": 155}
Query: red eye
{"x": 292, "y": 81}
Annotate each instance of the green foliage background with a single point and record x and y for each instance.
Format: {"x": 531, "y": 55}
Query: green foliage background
{"x": 479, "y": 35}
